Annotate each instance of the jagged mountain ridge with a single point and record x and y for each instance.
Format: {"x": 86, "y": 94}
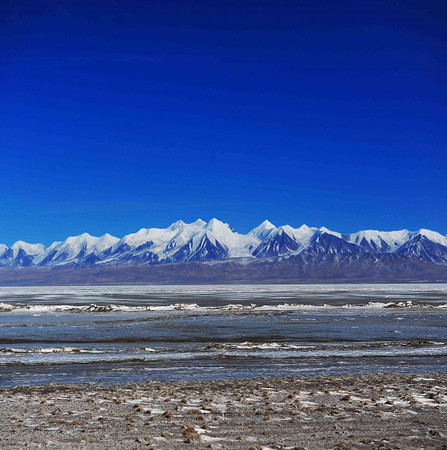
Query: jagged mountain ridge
{"x": 213, "y": 241}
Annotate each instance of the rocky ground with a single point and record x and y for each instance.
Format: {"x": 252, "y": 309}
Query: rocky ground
{"x": 348, "y": 412}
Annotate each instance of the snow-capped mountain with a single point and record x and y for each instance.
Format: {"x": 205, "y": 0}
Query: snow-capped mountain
{"x": 216, "y": 240}
{"x": 181, "y": 242}
{"x": 283, "y": 240}
{"x": 75, "y": 250}
{"x": 426, "y": 246}
{"x": 20, "y": 254}
{"x": 381, "y": 241}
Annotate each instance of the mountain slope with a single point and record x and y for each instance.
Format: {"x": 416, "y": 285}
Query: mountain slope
{"x": 301, "y": 268}
{"x": 422, "y": 248}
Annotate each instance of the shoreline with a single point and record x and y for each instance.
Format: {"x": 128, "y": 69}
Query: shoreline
{"x": 292, "y": 270}
{"x": 348, "y": 411}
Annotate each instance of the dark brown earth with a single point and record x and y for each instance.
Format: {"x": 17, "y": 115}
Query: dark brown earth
{"x": 348, "y": 412}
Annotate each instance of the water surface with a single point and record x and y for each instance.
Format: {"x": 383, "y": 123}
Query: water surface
{"x": 136, "y": 333}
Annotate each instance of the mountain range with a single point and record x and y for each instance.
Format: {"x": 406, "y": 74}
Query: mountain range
{"x": 215, "y": 241}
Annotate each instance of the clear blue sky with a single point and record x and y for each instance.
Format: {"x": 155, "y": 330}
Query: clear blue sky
{"x": 118, "y": 115}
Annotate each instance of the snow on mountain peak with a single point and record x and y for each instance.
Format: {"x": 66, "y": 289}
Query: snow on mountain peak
{"x": 105, "y": 241}
{"x": 285, "y": 229}
{"x": 262, "y": 230}
{"x": 266, "y": 225}
{"x": 28, "y": 249}
{"x": 199, "y": 223}
{"x": 84, "y": 237}
{"x": 375, "y": 238}
{"x": 176, "y": 225}
{"x": 327, "y": 231}
{"x": 216, "y": 226}
{"x": 432, "y": 235}
{"x": 88, "y": 242}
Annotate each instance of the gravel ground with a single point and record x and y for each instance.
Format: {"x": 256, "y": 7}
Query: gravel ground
{"x": 348, "y": 412}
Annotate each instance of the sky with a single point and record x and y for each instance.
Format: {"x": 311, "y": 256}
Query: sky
{"x": 121, "y": 115}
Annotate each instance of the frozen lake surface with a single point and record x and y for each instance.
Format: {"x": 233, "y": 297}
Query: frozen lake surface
{"x": 135, "y": 333}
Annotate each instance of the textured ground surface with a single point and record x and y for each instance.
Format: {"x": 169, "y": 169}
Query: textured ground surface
{"x": 366, "y": 411}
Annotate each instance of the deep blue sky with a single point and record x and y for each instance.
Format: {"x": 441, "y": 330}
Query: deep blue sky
{"x": 129, "y": 114}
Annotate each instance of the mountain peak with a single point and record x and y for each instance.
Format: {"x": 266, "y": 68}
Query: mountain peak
{"x": 28, "y": 249}
{"x": 262, "y": 230}
{"x": 106, "y": 240}
{"x": 266, "y": 225}
{"x": 19, "y": 244}
{"x": 199, "y": 223}
{"x": 176, "y": 225}
{"x": 327, "y": 231}
{"x": 216, "y": 225}
{"x": 24, "y": 245}
{"x": 432, "y": 236}
{"x": 286, "y": 229}
{"x": 80, "y": 238}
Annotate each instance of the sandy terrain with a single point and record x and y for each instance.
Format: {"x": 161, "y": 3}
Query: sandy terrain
{"x": 363, "y": 411}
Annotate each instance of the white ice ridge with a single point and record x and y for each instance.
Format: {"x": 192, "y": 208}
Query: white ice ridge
{"x": 194, "y": 308}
